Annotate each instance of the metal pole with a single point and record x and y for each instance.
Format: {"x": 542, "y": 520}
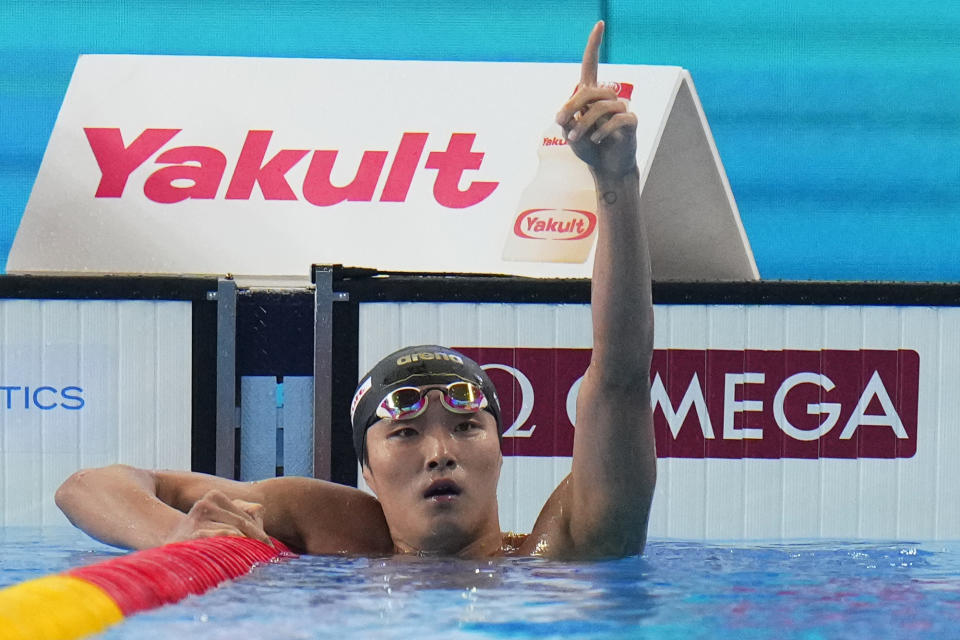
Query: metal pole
{"x": 226, "y": 377}
{"x": 322, "y": 370}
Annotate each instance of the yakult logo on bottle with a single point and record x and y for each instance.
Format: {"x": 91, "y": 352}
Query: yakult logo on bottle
{"x": 557, "y": 216}
{"x": 555, "y": 224}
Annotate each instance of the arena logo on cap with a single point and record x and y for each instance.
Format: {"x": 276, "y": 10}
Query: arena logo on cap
{"x": 718, "y": 403}
{"x": 426, "y": 355}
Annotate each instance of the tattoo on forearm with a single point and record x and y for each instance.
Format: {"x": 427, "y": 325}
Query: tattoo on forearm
{"x": 610, "y": 197}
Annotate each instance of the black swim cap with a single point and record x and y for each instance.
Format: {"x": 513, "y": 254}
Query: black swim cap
{"x": 414, "y": 367}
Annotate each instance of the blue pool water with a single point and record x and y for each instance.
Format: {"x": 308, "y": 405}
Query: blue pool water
{"x": 676, "y": 590}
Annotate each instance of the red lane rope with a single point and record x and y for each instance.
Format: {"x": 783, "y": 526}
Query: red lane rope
{"x": 153, "y": 577}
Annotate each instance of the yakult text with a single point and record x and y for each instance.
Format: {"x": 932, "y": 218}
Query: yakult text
{"x": 203, "y": 169}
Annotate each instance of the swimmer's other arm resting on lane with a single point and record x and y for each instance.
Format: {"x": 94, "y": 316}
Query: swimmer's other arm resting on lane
{"x": 138, "y": 509}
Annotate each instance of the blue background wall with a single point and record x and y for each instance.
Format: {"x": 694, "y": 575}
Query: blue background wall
{"x": 838, "y": 122}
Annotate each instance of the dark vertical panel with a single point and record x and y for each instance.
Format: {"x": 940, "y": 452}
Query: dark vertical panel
{"x": 275, "y": 332}
{"x": 346, "y": 327}
{"x": 204, "y": 404}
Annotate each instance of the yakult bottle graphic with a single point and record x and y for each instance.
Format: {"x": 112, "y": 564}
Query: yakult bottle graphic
{"x": 556, "y": 218}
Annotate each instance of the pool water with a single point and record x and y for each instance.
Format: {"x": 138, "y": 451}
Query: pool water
{"x": 675, "y": 590}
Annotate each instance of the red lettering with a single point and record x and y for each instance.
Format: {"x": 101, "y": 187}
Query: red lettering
{"x": 270, "y": 176}
{"x": 206, "y": 175}
{"x": 450, "y": 165}
{"x": 205, "y": 167}
{"x": 117, "y": 161}
{"x": 404, "y": 165}
{"x": 318, "y": 190}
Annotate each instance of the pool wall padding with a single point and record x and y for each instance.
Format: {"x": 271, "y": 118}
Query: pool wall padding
{"x": 89, "y": 599}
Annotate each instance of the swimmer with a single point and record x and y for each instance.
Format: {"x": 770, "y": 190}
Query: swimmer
{"x": 427, "y": 430}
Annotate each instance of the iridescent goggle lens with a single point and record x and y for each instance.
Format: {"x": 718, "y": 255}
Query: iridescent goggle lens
{"x": 407, "y": 403}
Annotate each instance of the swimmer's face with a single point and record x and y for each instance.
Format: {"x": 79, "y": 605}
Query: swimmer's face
{"x": 436, "y": 477}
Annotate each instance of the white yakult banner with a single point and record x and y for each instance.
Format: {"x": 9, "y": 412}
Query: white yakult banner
{"x": 161, "y": 164}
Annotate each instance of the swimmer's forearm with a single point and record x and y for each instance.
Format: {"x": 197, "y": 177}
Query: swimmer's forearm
{"x": 621, "y": 297}
{"x": 117, "y": 505}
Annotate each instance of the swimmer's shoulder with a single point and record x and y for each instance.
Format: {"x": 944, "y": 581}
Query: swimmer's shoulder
{"x": 325, "y": 518}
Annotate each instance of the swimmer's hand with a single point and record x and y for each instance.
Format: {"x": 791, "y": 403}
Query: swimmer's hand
{"x": 598, "y": 126}
{"x": 217, "y": 515}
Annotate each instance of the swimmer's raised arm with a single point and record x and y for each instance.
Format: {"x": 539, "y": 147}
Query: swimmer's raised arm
{"x": 137, "y": 509}
{"x": 602, "y": 508}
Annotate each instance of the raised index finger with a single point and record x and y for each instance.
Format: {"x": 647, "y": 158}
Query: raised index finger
{"x": 591, "y": 57}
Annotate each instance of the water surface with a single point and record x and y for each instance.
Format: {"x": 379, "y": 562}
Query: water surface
{"x": 676, "y": 590}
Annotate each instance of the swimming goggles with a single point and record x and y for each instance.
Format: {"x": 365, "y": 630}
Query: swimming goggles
{"x": 407, "y": 403}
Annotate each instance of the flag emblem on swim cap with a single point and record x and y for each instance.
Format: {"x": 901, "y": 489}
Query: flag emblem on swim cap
{"x": 358, "y": 396}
